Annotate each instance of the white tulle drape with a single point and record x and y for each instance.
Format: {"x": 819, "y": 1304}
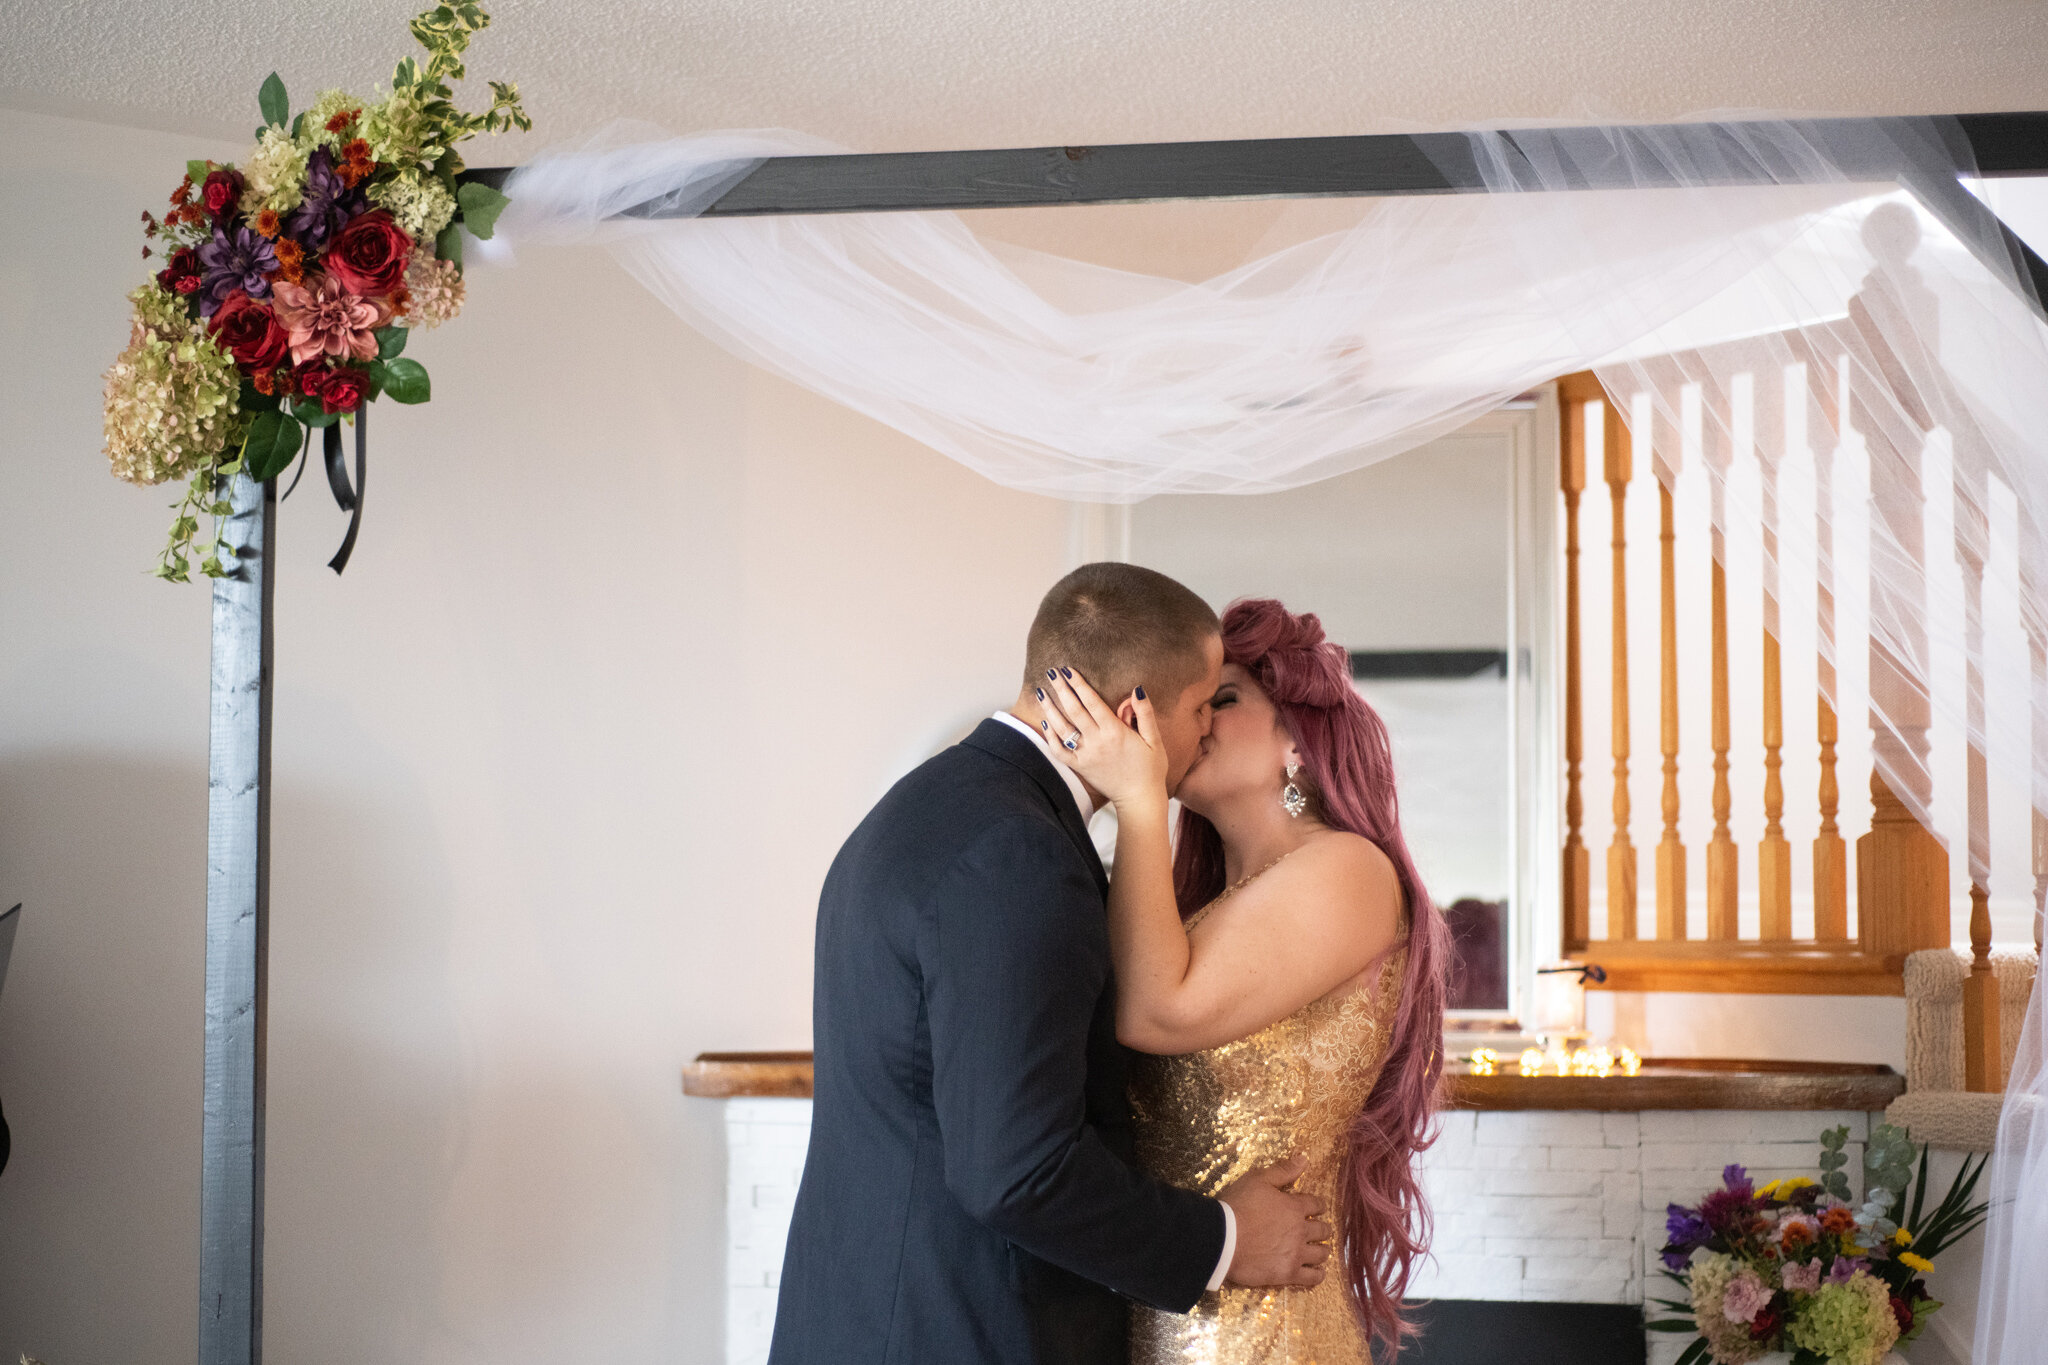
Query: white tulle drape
{"x": 1784, "y": 311}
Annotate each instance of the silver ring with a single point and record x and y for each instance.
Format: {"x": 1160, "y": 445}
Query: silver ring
{"x": 1073, "y": 741}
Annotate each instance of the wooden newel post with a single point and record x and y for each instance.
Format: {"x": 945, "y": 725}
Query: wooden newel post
{"x": 237, "y": 936}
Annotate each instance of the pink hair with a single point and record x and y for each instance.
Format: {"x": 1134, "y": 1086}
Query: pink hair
{"x": 1346, "y": 755}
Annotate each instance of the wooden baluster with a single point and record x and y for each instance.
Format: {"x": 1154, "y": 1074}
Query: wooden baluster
{"x": 1982, "y": 1056}
{"x": 1621, "y": 854}
{"x": 1901, "y": 868}
{"x": 1774, "y": 853}
{"x": 1723, "y": 859}
{"x": 1666, "y": 454}
{"x": 1830, "y": 852}
{"x": 1574, "y": 392}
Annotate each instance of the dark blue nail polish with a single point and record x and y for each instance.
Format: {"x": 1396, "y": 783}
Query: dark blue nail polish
{"x": 1050, "y": 674}
{"x": 1140, "y": 694}
{"x": 1066, "y": 673}
{"x": 1041, "y": 694}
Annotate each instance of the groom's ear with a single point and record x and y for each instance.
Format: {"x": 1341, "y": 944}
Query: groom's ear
{"x": 1127, "y": 712}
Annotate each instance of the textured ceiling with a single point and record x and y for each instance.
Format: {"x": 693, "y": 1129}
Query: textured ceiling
{"x": 916, "y": 74}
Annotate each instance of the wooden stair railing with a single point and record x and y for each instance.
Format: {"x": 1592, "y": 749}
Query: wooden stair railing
{"x": 1902, "y": 902}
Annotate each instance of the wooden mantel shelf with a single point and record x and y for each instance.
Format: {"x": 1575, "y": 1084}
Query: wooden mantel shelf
{"x": 1706, "y": 1083}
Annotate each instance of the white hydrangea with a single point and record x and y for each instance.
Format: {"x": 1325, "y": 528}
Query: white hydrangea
{"x": 420, "y": 204}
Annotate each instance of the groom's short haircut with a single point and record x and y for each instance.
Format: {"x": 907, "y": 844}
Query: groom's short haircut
{"x": 1120, "y": 625}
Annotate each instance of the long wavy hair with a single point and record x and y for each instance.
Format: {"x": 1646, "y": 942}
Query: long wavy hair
{"x": 1349, "y": 767}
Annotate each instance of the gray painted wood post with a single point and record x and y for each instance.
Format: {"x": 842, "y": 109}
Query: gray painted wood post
{"x": 237, "y": 936}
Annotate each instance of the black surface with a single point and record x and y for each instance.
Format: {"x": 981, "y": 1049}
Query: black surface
{"x": 1424, "y": 163}
{"x": 1485, "y": 1332}
{"x": 1428, "y": 663}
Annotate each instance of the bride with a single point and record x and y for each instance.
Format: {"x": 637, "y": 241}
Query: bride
{"x": 1284, "y": 971}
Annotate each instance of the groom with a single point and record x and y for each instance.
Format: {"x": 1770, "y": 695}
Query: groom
{"x": 970, "y": 1196}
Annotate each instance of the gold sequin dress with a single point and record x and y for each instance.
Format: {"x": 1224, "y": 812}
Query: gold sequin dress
{"x": 1209, "y": 1117}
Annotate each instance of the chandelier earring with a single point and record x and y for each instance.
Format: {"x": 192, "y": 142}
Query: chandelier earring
{"x": 1292, "y": 799}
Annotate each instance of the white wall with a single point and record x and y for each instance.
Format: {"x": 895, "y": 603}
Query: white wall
{"x": 632, "y": 637}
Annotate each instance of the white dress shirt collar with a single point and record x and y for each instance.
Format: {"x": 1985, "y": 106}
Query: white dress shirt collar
{"x": 1082, "y": 801}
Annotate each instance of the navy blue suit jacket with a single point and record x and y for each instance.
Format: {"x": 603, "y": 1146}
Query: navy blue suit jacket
{"x": 969, "y": 1197}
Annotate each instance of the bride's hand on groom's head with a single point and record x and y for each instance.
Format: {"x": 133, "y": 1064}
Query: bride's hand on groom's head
{"x": 1117, "y": 750}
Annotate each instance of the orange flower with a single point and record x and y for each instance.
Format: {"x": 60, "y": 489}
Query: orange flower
{"x": 343, "y": 120}
{"x": 267, "y": 224}
{"x": 356, "y": 149}
{"x": 291, "y": 261}
{"x": 183, "y": 194}
{"x": 265, "y": 381}
{"x": 1838, "y": 1221}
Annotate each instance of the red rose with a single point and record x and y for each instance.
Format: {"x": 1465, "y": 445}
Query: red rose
{"x": 183, "y": 264}
{"x": 308, "y": 379}
{"x": 368, "y": 258}
{"x": 249, "y": 331}
{"x": 343, "y": 390}
{"x": 1902, "y": 1313}
{"x": 220, "y": 192}
{"x": 1768, "y": 1321}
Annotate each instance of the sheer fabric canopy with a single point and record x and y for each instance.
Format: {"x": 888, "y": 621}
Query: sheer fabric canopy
{"x": 1842, "y": 314}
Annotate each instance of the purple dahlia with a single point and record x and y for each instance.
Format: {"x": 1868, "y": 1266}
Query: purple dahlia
{"x": 327, "y": 204}
{"x": 240, "y": 261}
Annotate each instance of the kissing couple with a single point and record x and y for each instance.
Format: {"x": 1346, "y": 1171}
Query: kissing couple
{"x": 1069, "y": 1118}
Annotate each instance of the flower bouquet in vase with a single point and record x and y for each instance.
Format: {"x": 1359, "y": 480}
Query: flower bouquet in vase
{"x": 1799, "y": 1268}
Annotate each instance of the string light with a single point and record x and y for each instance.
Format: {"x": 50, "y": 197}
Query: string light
{"x": 1484, "y": 1060}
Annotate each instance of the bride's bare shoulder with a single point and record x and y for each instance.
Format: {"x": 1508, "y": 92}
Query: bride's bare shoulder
{"x": 1350, "y": 864}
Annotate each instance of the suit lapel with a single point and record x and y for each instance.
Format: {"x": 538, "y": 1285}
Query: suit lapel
{"x": 1000, "y": 741}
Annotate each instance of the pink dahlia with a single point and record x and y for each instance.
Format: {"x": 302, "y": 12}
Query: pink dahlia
{"x": 322, "y": 318}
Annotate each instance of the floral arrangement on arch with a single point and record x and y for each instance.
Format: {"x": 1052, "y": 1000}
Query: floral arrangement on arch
{"x": 291, "y": 281}
{"x": 1795, "y": 1266}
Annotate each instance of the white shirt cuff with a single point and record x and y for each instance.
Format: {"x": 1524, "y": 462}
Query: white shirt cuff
{"x": 1229, "y": 1247}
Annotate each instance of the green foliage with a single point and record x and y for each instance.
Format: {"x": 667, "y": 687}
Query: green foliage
{"x": 205, "y": 496}
{"x": 271, "y": 446}
{"x": 271, "y": 100}
{"x": 444, "y": 32}
{"x": 1888, "y": 1166}
{"x": 403, "y": 381}
{"x": 198, "y": 170}
{"x": 308, "y": 411}
{"x": 481, "y": 206}
{"x": 390, "y": 341}
{"x": 448, "y": 243}
{"x": 1832, "y": 1159}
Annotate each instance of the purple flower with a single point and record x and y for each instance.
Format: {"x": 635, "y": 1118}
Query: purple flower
{"x": 1684, "y": 1230}
{"x": 1736, "y": 1179}
{"x": 1844, "y": 1267}
{"x": 232, "y": 263}
{"x": 326, "y": 206}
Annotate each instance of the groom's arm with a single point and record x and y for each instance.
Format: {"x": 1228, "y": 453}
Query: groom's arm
{"x": 1016, "y": 958}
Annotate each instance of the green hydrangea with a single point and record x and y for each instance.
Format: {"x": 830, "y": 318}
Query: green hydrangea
{"x": 313, "y": 131}
{"x": 1849, "y": 1323}
{"x": 419, "y": 203}
{"x": 172, "y": 397}
{"x": 400, "y": 132}
{"x": 274, "y": 176}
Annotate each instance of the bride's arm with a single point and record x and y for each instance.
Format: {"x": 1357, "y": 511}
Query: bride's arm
{"x": 1291, "y": 937}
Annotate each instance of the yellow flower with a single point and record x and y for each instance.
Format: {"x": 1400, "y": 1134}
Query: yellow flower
{"x": 1782, "y": 1189}
{"x": 1902, "y": 1238}
{"x": 1915, "y": 1260}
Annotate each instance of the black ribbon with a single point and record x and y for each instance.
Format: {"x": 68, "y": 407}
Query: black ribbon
{"x": 348, "y": 498}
